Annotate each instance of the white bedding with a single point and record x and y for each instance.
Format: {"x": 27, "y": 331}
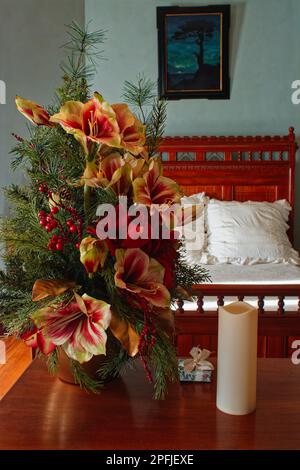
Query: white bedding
{"x": 257, "y": 274}
{"x": 281, "y": 273}
{"x": 248, "y": 232}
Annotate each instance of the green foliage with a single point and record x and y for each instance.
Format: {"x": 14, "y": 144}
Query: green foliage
{"x": 84, "y": 380}
{"x": 156, "y": 126}
{"x": 52, "y": 362}
{"x": 140, "y": 95}
{"x": 151, "y": 110}
{"x": 81, "y": 64}
{"x": 112, "y": 368}
{"x": 186, "y": 275}
{"x": 163, "y": 362}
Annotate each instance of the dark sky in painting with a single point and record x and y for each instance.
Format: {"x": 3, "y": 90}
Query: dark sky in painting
{"x": 181, "y": 58}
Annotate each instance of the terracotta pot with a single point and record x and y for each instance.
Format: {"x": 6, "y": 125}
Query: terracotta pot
{"x": 91, "y": 367}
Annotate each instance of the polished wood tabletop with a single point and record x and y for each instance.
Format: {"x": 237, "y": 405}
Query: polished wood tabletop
{"x": 41, "y": 412}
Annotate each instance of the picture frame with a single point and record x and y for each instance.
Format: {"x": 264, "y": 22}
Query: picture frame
{"x": 193, "y": 52}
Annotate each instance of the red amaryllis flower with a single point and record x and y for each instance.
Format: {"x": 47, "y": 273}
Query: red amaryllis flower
{"x": 138, "y": 273}
{"x": 79, "y": 327}
{"x": 36, "y": 339}
{"x": 133, "y": 132}
{"x": 91, "y": 122}
{"x": 34, "y": 112}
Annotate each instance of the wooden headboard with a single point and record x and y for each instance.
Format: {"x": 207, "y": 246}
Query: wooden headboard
{"x": 234, "y": 168}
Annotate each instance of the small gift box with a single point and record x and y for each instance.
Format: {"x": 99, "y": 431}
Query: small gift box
{"x": 196, "y": 368}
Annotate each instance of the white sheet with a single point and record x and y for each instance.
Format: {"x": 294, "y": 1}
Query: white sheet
{"x": 256, "y": 274}
{"x": 282, "y": 273}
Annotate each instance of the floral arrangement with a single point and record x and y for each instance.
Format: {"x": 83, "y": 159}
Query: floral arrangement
{"x": 83, "y": 267}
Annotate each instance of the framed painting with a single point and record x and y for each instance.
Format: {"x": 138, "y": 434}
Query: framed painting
{"x": 193, "y": 50}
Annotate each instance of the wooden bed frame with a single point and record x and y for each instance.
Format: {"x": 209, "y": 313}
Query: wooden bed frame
{"x": 236, "y": 168}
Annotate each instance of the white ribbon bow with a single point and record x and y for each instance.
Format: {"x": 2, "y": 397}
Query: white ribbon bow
{"x": 198, "y": 360}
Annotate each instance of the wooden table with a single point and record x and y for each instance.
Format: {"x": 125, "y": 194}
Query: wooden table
{"x": 18, "y": 358}
{"x": 41, "y": 412}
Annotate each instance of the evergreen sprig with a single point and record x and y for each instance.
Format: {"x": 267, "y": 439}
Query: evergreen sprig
{"x": 53, "y": 362}
{"x": 83, "y": 379}
{"x": 151, "y": 110}
{"x": 81, "y": 64}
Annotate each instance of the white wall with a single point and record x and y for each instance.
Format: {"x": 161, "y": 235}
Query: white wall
{"x": 31, "y": 33}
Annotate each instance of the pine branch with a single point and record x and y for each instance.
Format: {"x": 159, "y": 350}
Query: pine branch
{"x": 186, "y": 275}
{"x": 84, "y": 380}
{"x": 113, "y": 367}
{"x": 156, "y": 126}
{"x": 163, "y": 362}
{"x": 81, "y": 64}
{"x": 139, "y": 95}
{"x": 53, "y": 362}
{"x": 150, "y": 109}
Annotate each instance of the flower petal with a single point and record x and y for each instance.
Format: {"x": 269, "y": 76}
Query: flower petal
{"x": 133, "y": 132}
{"x": 131, "y": 266}
{"x": 75, "y": 350}
{"x": 155, "y": 273}
{"x": 32, "y": 111}
{"x": 70, "y": 116}
{"x": 121, "y": 181}
{"x": 126, "y": 334}
{"x": 93, "y": 254}
{"x": 45, "y": 344}
{"x": 98, "y": 310}
{"x": 44, "y": 288}
{"x": 157, "y": 294}
{"x": 93, "y": 338}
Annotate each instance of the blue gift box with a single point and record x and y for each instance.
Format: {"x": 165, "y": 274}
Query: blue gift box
{"x": 195, "y": 376}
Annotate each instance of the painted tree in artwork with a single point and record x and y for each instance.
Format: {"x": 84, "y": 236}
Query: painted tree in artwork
{"x": 199, "y": 30}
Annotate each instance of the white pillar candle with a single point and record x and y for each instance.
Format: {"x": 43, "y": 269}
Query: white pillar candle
{"x": 237, "y": 358}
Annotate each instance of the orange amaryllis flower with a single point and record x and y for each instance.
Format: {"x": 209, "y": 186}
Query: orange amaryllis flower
{"x": 91, "y": 122}
{"x": 144, "y": 276}
{"x": 79, "y": 326}
{"x": 112, "y": 172}
{"x": 138, "y": 165}
{"x": 34, "y": 112}
{"x": 93, "y": 254}
{"x": 133, "y": 132}
{"x": 153, "y": 188}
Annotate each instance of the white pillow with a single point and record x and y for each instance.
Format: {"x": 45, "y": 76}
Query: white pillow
{"x": 248, "y": 233}
{"x": 194, "y": 233}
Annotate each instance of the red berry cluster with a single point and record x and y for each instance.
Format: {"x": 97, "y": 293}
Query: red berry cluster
{"x": 70, "y": 234}
{"x": 17, "y": 137}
